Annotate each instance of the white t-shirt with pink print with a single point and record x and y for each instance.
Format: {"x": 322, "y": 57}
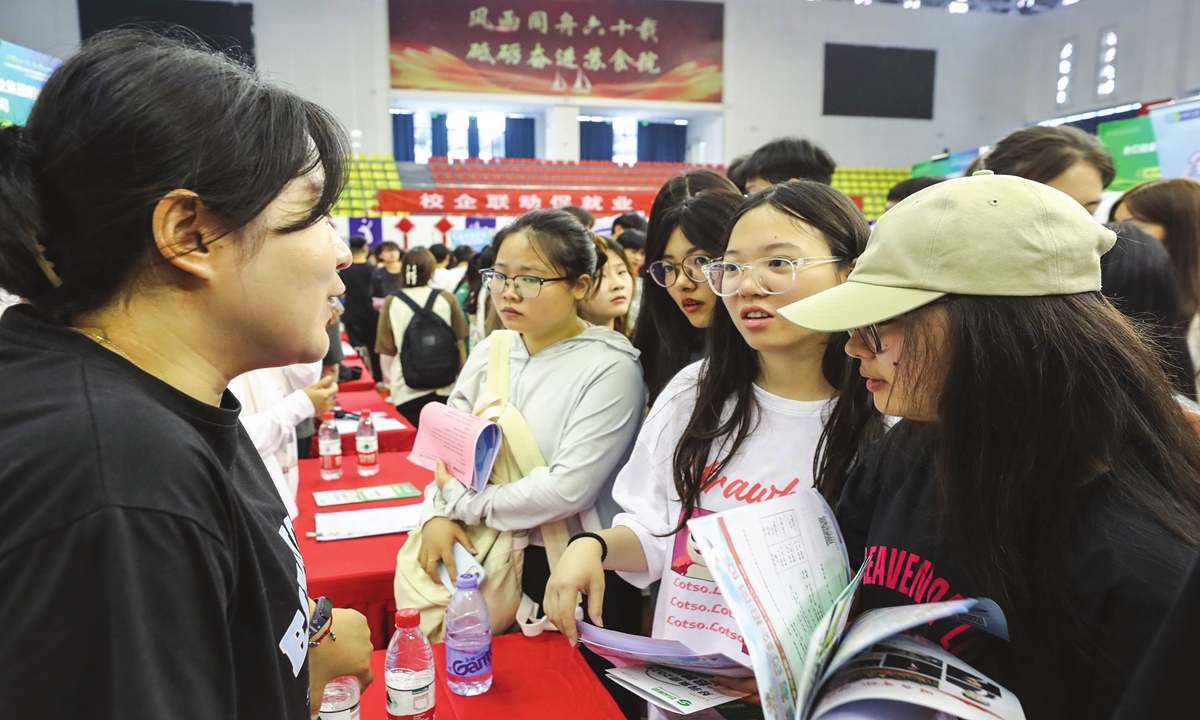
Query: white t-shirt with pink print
{"x": 775, "y": 460}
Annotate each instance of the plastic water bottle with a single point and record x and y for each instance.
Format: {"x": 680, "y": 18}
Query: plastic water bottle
{"x": 408, "y": 670}
{"x": 468, "y": 640}
{"x": 341, "y": 699}
{"x": 366, "y": 441}
{"x": 329, "y": 444}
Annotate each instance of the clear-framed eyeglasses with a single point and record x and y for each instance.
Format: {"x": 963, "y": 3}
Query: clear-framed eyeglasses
{"x": 527, "y": 286}
{"x": 667, "y": 273}
{"x": 772, "y": 275}
{"x": 870, "y": 338}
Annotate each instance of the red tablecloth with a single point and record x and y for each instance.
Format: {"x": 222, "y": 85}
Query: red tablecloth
{"x": 390, "y": 441}
{"x": 541, "y": 677}
{"x": 364, "y": 383}
{"x": 355, "y": 573}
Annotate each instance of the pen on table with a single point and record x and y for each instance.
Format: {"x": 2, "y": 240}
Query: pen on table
{"x": 329, "y": 534}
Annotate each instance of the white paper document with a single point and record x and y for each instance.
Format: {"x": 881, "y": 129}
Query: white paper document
{"x": 365, "y": 523}
{"x": 383, "y": 423}
{"x": 679, "y": 691}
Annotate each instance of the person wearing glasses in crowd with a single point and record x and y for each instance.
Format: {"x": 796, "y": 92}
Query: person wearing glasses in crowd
{"x": 784, "y": 408}
{"x": 1042, "y": 462}
{"x": 579, "y": 388}
{"x": 686, "y": 224}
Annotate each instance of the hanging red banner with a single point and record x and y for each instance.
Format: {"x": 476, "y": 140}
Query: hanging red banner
{"x": 510, "y": 202}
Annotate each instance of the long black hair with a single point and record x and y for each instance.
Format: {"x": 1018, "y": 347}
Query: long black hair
{"x": 1043, "y": 403}
{"x": 129, "y": 118}
{"x": 734, "y": 366}
{"x": 663, "y": 335}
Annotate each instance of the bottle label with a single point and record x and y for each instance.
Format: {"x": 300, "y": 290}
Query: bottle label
{"x": 416, "y": 704}
{"x": 466, "y": 664}
{"x": 331, "y": 453}
{"x": 367, "y": 445}
{"x": 350, "y": 713}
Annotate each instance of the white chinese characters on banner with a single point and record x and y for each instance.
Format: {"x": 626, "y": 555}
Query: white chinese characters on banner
{"x": 622, "y": 203}
{"x": 433, "y": 201}
{"x": 465, "y": 202}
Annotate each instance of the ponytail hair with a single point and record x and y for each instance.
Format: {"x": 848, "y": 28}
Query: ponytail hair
{"x": 129, "y": 118}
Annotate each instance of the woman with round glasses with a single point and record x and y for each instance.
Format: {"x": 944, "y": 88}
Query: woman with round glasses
{"x": 578, "y": 387}
{"x": 687, "y": 224}
{"x": 772, "y": 410}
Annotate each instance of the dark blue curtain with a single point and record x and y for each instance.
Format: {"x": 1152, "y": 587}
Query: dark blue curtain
{"x": 440, "y": 138}
{"x": 404, "y": 141}
{"x": 473, "y": 137}
{"x": 595, "y": 140}
{"x": 519, "y": 138}
{"x": 661, "y": 142}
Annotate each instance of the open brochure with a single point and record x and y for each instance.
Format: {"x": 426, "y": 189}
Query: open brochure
{"x": 781, "y": 566}
{"x": 466, "y": 443}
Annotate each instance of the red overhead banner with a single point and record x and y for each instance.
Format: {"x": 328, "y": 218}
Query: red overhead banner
{"x": 644, "y": 49}
{"x": 510, "y": 202}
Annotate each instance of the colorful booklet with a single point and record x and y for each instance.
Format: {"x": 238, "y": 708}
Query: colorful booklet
{"x": 468, "y": 445}
{"x": 397, "y": 491}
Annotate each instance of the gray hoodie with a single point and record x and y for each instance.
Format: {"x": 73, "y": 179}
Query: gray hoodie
{"x": 584, "y": 400}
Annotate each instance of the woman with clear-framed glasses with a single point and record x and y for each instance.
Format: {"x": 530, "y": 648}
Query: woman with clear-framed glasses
{"x": 748, "y": 424}
{"x": 687, "y": 223}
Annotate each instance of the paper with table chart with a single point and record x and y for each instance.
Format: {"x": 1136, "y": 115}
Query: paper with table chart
{"x": 467, "y": 444}
{"x": 781, "y": 566}
{"x": 365, "y": 523}
{"x": 681, "y": 691}
{"x": 396, "y": 491}
{"x": 383, "y": 423}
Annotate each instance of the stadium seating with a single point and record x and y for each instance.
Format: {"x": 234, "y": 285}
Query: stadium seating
{"x": 368, "y": 173}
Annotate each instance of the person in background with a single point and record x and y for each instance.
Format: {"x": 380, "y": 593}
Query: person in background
{"x": 360, "y": 317}
{"x": 385, "y": 280}
{"x": 165, "y": 211}
{"x": 1169, "y": 210}
{"x": 633, "y": 242}
{"x": 628, "y": 221}
{"x": 786, "y": 159}
{"x": 904, "y": 188}
{"x": 687, "y": 222}
{"x": 735, "y": 172}
{"x": 476, "y": 303}
{"x": 1062, "y": 157}
{"x": 609, "y": 302}
{"x": 447, "y": 273}
{"x": 580, "y": 390}
{"x": 584, "y": 217}
{"x": 393, "y": 322}
{"x": 780, "y": 409}
{"x": 274, "y": 402}
{"x": 1043, "y": 460}
{"x": 330, "y": 368}
{"x": 1138, "y": 278}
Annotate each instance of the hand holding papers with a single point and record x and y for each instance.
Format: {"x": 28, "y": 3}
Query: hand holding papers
{"x": 468, "y": 445}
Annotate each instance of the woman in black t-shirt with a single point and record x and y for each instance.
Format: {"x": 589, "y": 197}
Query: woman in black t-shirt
{"x": 164, "y": 212}
{"x": 1043, "y": 460}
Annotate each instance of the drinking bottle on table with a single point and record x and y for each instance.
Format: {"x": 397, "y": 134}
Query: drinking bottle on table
{"x": 366, "y": 441}
{"x": 408, "y": 670}
{"x": 329, "y": 444}
{"x": 341, "y": 699}
{"x": 468, "y": 640}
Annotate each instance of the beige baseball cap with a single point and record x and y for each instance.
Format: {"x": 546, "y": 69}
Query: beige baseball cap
{"x": 981, "y": 235}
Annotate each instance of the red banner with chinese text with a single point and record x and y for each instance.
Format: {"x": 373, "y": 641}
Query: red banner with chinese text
{"x": 643, "y": 49}
{"x": 510, "y": 202}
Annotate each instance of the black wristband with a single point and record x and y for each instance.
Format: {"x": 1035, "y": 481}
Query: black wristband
{"x": 597, "y": 538}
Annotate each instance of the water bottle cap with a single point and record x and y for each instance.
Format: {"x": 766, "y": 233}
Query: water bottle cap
{"x": 327, "y": 416}
{"x": 467, "y": 581}
{"x": 408, "y": 618}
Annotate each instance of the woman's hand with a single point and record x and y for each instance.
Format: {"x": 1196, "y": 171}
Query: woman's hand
{"x": 350, "y": 654}
{"x": 437, "y": 544}
{"x": 745, "y": 685}
{"x": 579, "y": 571}
{"x": 321, "y": 394}
{"x": 442, "y": 476}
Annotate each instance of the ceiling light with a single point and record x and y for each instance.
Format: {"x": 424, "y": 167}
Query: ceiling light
{"x": 1066, "y": 51}
{"x": 959, "y": 7}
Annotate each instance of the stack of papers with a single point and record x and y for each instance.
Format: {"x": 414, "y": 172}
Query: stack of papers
{"x": 398, "y": 491}
{"x": 365, "y": 523}
{"x": 383, "y": 423}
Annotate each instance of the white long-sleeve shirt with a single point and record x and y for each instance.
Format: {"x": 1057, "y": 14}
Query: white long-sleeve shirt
{"x": 273, "y": 403}
{"x": 583, "y": 399}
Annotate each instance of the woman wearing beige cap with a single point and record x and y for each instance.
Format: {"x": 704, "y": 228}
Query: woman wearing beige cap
{"x": 1042, "y": 462}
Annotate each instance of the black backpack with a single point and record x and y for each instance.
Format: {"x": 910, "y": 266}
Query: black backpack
{"x": 429, "y": 354}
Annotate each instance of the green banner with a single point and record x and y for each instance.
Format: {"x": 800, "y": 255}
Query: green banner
{"x": 1134, "y": 151}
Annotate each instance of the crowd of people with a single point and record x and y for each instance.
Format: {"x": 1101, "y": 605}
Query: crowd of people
{"x": 990, "y": 379}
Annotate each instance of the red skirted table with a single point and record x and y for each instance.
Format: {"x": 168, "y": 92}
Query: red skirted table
{"x": 390, "y": 441}
{"x": 355, "y": 573}
{"x": 541, "y": 677}
{"x": 364, "y": 382}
